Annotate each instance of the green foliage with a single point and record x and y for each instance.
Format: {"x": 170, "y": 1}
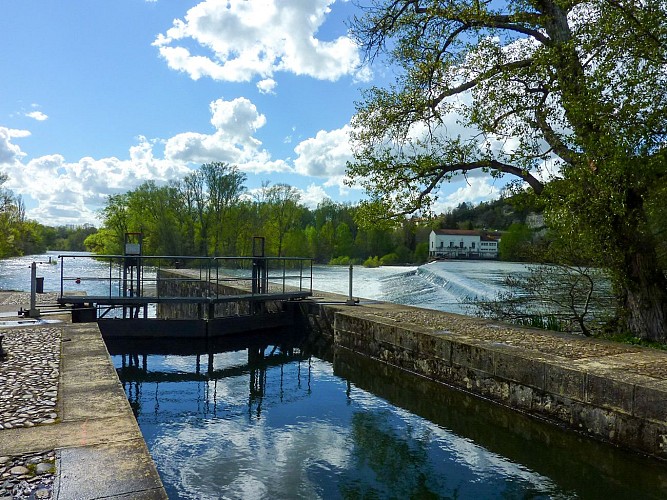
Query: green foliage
{"x": 372, "y": 262}
{"x": 421, "y": 252}
{"x": 343, "y": 260}
{"x": 515, "y": 242}
{"x": 391, "y": 259}
{"x": 628, "y": 338}
{"x": 207, "y": 212}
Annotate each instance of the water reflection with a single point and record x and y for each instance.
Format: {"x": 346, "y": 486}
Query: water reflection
{"x": 487, "y": 436}
{"x": 265, "y": 419}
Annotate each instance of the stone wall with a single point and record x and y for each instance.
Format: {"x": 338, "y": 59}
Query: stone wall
{"x": 626, "y": 412}
{"x": 181, "y": 283}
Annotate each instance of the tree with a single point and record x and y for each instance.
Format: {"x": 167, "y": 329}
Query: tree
{"x": 580, "y": 86}
{"x": 515, "y": 242}
{"x": 115, "y": 216}
{"x": 572, "y": 298}
{"x": 344, "y": 240}
{"x": 194, "y": 193}
{"x": 283, "y": 211}
{"x": 225, "y": 185}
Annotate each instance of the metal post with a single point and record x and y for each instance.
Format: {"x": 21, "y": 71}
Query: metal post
{"x": 62, "y": 270}
{"x": 33, "y": 312}
{"x": 350, "y": 300}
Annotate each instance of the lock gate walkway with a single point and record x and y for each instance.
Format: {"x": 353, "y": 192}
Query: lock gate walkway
{"x": 139, "y": 289}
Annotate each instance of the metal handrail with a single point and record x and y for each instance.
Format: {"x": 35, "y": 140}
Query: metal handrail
{"x": 115, "y": 282}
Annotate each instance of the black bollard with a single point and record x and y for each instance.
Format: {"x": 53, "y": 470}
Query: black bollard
{"x": 3, "y": 354}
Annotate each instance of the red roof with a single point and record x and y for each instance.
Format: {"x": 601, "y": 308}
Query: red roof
{"x": 484, "y": 235}
{"x": 458, "y": 232}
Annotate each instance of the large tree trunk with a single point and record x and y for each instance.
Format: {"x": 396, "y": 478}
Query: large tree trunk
{"x": 645, "y": 296}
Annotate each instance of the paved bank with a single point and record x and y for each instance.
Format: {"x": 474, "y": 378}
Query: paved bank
{"x": 66, "y": 428}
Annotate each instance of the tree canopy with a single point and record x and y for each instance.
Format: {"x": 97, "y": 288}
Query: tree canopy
{"x": 568, "y": 97}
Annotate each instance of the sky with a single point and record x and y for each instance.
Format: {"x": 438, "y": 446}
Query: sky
{"x": 97, "y": 97}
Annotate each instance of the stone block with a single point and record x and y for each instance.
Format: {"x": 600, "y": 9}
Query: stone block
{"x": 525, "y": 371}
{"x": 564, "y": 381}
{"x": 471, "y": 356}
{"x": 442, "y": 349}
{"x": 606, "y": 392}
{"x": 520, "y": 396}
{"x": 651, "y": 403}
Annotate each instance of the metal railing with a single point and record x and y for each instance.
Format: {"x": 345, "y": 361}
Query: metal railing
{"x": 139, "y": 276}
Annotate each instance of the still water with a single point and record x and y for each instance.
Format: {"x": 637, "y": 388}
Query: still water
{"x": 260, "y": 420}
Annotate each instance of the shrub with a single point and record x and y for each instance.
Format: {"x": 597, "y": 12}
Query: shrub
{"x": 372, "y": 262}
{"x": 390, "y": 259}
{"x": 343, "y": 260}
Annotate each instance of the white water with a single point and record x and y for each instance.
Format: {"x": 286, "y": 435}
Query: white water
{"x": 439, "y": 285}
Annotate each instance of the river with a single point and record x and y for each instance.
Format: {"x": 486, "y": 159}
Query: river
{"x": 269, "y": 420}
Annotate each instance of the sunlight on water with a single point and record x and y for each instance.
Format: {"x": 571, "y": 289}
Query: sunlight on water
{"x": 275, "y": 422}
{"x": 299, "y": 431}
{"x": 443, "y": 286}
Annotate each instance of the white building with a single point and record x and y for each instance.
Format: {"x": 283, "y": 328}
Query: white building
{"x": 463, "y": 244}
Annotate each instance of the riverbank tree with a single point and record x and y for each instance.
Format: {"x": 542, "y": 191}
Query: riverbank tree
{"x": 509, "y": 88}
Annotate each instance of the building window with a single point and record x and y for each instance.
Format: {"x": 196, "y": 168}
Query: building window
{"x": 461, "y": 245}
{"x": 451, "y": 244}
{"x": 473, "y": 244}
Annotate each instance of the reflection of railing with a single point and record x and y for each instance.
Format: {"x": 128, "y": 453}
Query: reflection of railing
{"x": 137, "y": 368}
{"x": 137, "y": 276}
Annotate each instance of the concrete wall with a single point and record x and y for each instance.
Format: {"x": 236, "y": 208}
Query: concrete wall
{"x": 627, "y": 411}
{"x": 181, "y": 283}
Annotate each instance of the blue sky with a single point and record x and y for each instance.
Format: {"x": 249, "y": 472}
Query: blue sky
{"x": 98, "y": 97}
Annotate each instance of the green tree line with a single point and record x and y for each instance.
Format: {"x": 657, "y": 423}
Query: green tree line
{"x": 211, "y": 212}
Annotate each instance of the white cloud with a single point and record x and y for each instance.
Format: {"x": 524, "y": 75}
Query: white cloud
{"x": 325, "y": 155}
{"x": 267, "y": 86}
{"x": 10, "y": 153}
{"x": 233, "y": 140}
{"x": 313, "y": 195}
{"x": 37, "y": 115}
{"x": 242, "y": 40}
{"x": 475, "y": 190}
{"x": 72, "y": 192}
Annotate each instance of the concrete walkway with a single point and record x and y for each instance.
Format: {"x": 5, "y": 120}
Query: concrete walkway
{"x": 99, "y": 449}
